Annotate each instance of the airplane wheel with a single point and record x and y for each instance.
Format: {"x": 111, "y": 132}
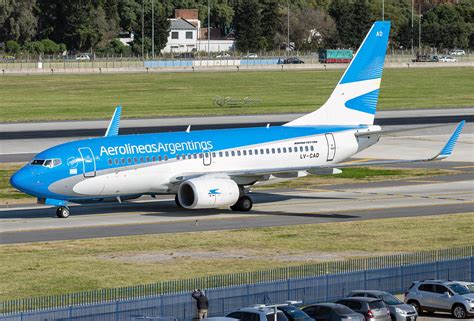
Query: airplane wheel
{"x": 176, "y": 200}
{"x": 62, "y": 212}
{"x": 244, "y": 204}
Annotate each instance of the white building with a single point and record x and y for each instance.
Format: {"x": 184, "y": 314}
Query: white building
{"x": 186, "y": 35}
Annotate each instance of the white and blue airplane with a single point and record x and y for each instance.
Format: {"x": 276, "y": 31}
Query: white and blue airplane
{"x": 214, "y": 168}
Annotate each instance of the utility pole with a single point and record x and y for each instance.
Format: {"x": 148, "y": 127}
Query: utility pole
{"x": 208, "y": 30}
{"x": 412, "y": 5}
{"x": 143, "y": 30}
{"x": 288, "y": 30}
{"x": 419, "y": 31}
{"x": 383, "y": 10}
{"x": 153, "y": 29}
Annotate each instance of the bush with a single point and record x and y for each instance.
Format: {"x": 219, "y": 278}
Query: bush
{"x": 12, "y": 47}
{"x": 49, "y": 46}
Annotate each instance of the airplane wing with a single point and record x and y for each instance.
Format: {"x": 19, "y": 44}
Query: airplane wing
{"x": 445, "y": 152}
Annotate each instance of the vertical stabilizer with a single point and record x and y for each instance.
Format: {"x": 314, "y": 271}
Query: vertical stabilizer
{"x": 354, "y": 100}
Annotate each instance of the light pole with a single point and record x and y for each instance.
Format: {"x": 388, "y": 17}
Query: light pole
{"x": 152, "y": 29}
{"x": 412, "y": 5}
{"x": 419, "y": 31}
{"x": 208, "y": 30}
{"x": 143, "y": 30}
{"x": 383, "y": 10}
{"x": 288, "y": 30}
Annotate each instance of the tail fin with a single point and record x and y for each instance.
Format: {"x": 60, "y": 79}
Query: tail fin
{"x": 354, "y": 100}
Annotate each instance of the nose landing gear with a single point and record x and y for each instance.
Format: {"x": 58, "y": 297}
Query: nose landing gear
{"x": 62, "y": 212}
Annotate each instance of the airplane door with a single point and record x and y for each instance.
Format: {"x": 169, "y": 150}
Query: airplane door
{"x": 88, "y": 162}
{"x": 206, "y": 157}
{"x": 331, "y": 147}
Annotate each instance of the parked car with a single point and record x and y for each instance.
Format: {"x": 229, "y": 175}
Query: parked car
{"x": 83, "y": 57}
{"x": 447, "y": 59}
{"x": 293, "y": 313}
{"x": 251, "y": 55}
{"x": 372, "y": 309}
{"x": 8, "y": 58}
{"x": 291, "y": 60}
{"x": 426, "y": 58}
{"x": 467, "y": 285}
{"x": 223, "y": 55}
{"x": 258, "y": 313}
{"x": 332, "y": 312}
{"x": 441, "y": 296}
{"x": 457, "y": 52}
{"x": 399, "y": 311}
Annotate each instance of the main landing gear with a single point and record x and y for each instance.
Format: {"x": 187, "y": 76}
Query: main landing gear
{"x": 62, "y": 212}
{"x": 244, "y": 204}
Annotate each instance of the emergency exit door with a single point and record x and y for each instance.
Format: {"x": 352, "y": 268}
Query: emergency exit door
{"x": 331, "y": 147}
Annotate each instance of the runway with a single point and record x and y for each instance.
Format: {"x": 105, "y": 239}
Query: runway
{"x": 415, "y": 197}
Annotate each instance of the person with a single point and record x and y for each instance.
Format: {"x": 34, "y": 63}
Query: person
{"x": 202, "y": 303}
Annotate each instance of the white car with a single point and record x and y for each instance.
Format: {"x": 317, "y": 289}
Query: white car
{"x": 457, "y": 52}
{"x": 447, "y": 59}
{"x": 83, "y": 57}
{"x": 251, "y": 55}
{"x": 223, "y": 55}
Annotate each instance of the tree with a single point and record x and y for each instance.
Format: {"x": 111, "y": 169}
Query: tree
{"x": 342, "y": 12}
{"x": 248, "y": 31}
{"x": 49, "y": 46}
{"x": 444, "y": 27}
{"x": 18, "y": 20}
{"x": 271, "y": 21}
{"x": 12, "y": 47}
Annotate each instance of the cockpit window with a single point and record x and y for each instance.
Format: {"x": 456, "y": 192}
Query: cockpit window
{"x": 38, "y": 162}
{"x": 46, "y": 163}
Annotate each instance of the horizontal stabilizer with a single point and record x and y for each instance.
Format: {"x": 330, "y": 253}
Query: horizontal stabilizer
{"x": 114, "y": 124}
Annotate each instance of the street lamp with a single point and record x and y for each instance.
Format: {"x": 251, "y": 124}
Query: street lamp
{"x": 208, "y": 30}
{"x": 152, "y": 29}
{"x": 288, "y": 29}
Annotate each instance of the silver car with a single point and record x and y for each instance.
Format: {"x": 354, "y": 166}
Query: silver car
{"x": 441, "y": 296}
{"x": 372, "y": 309}
{"x": 399, "y": 311}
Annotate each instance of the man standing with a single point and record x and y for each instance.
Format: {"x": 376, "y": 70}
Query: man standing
{"x": 202, "y": 303}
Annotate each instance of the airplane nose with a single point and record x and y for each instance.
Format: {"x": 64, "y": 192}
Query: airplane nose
{"x": 21, "y": 179}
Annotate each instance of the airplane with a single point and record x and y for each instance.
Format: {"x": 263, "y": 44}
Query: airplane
{"x": 215, "y": 168}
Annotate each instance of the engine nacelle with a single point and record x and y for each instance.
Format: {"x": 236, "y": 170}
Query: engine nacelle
{"x": 206, "y": 192}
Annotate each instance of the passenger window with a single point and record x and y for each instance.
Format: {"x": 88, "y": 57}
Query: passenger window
{"x": 153, "y": 158}
{"x": 301, "y": 148}
{"x": 123, "y": 160}
{"x": 213, "y": 154}
{"x": 256, "y": 152}
{"x": 306, "y": 148}
{"x": 244, "y": 152}
{"x": 290, "y": 150}
{"x": 250, "y": 152}
{"x": 141, "y": 159}
{"x": 273, "y": 150}
{"x": 226, "y": 154}
{"x": 200, "y": 155}
{"x": 195, "y": 156}
{"x": 268, "y": 151}
{"x": 238, "y": 153}
{"x": 129, "y": 160}
{"x": 166, "y": 157}
{"x": 427, "y": 287}
{"x": 159, "y": 159}
{"x": 441, "y": 289}
{"x": 177, "y": 157}
{"x": 279, "y": 150}
{"x": 220, "y": 154}
{"x": 232, "y": 153}
{"x": 312, "y": 148}
{"x": 247, "y": 316}
{"x": 284, "y": 149}
{"x": 148, "y": 159}
{"x": 110, "y": 161}
{"x": 116, "y": 161}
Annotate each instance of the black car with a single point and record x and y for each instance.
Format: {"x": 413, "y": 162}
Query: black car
{"x": 294, "y": 313}
{"x": 291, "y": 60}
{"x": 332, "y": 312}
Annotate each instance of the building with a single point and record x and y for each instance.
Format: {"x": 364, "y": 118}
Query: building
{"x": 186, "y": 35}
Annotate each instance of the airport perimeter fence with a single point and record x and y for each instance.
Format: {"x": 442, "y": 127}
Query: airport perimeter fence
{"x": 310, "y": 283}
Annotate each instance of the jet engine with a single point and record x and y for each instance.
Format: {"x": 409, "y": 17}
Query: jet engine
{"x": 208, "y": 192}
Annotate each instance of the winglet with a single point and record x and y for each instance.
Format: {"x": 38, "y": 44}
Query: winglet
{"x": 114, "y": 124}
{"x": 448, "y": 148}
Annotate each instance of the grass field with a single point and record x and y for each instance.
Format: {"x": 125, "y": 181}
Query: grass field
{"x": 350, "y": 175}
{"x": 46, "y": 97}
{"x": 66, "y": 266}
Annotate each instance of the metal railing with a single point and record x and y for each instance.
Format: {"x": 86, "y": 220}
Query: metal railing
{"x": 235, "y": 279}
